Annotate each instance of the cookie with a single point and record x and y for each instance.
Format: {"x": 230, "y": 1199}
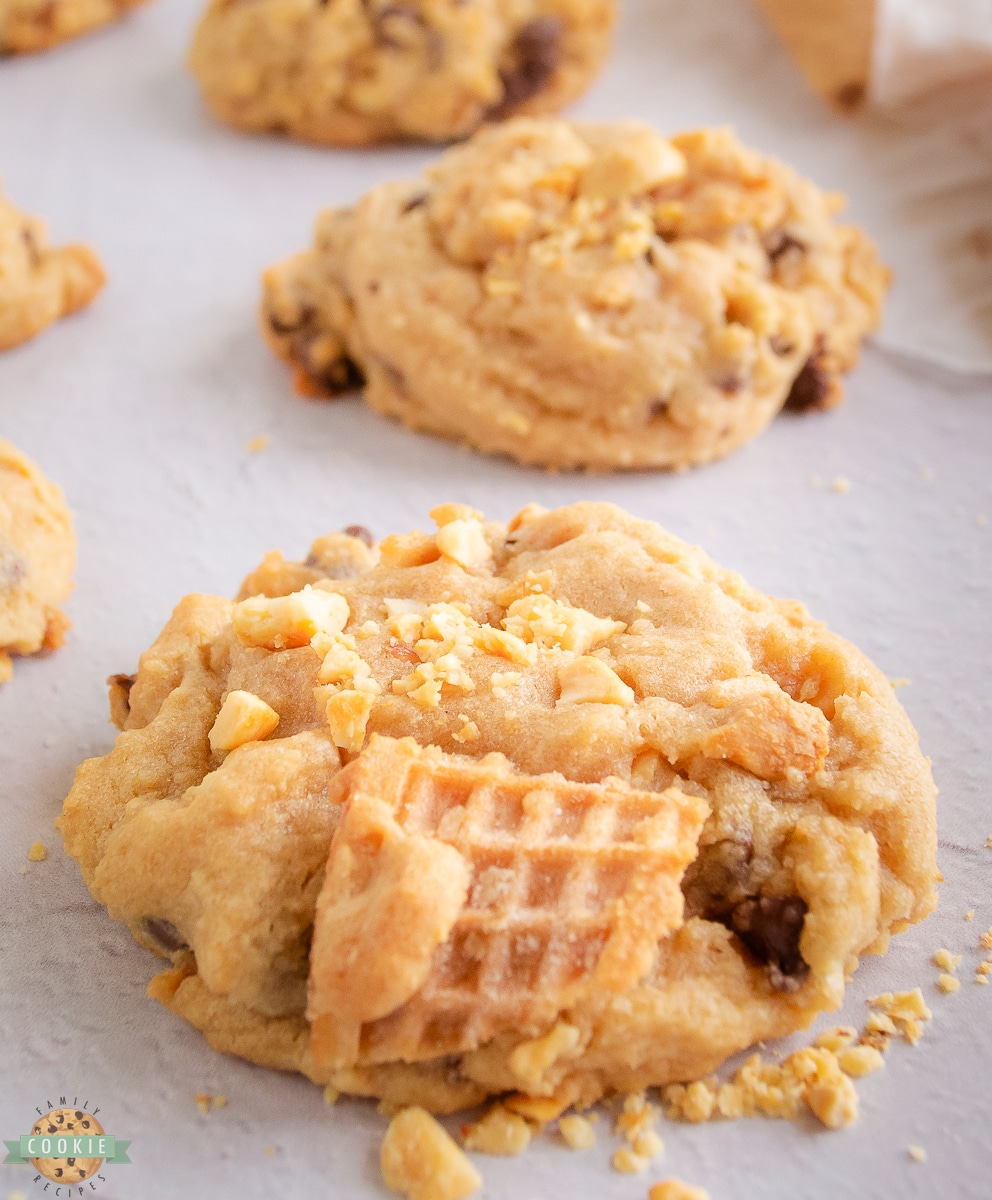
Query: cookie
{"x": 29, "y": 25}
{"x": 37, "y": 556}
{"x": 573, "y": 683}
{"x": 348, "y": 74}
{"x": 39, "y": 284}
{"x": 581, "y": 295}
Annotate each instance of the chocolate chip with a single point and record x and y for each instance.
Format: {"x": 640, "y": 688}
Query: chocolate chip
{"x": 780, "y": 243}
{"x": 302, "y": 318}
{"x": 850, "y": 95}
{"x": 391, "y": 371}
{"x": 770, "y": 927}
{"x": 717, "y": 881}
{"x": 401, "y": 14}
{"x": 415, "y": 201}
{"x": 360, "y": 532}
{"x": 532, "y": 60}
{"x": 780, "y": 345}
{"x": 13, "y": 567}
{"x": 120, "y": 698}
{"x": 657, "y": 407}
{"x": 31, "y": 242}
{"x": 730, "y": 383}
{"x": 165, "y": 935}
{"x": 811, "y": 387}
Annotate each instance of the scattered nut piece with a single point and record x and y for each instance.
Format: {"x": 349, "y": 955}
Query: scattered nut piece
{"x": 841, "y": 484}
{"x": 347, "y": 714}
{"x": 946, "y": 960}
{"x": 577, "y": 1132}
{"x": 835, "y": 1102}
{"x": 986, "y": 940}
{"x": 836, "y": 1039}
{"x": 648, "y": 1144}
{"x": 628, "y": 1163}
{"x": 676, "y": 1189}
{"x": 256, "y": 444}
{"x": 420, "y": 1159}
{"x": 860, "y": 1060}
{"x": 219, "y": 1102}
{"x": 643, "y": 607}
{"x": 462, "y": 539}
{"x": 500, "y": 681}
{"x": 498, "y": 1132}
{"x": 970, "y": 915}
{"x": 530, "y": 1060}
{"x": 202, "y": 1101}
{"x": 37, "y": 852}
{"x": 917, "y": 1153}
{"x": 948, "y": 983}
{"x": 243, "y": 718}
{"x": 331, "y": 1095}
{"x": 6, "y": 667}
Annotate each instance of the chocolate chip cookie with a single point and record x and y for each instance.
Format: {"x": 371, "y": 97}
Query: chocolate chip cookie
{"x": 37, "y": 555}
{"x": 28, "y": 25}
{"x": 348, "y": 74}
{"x": 581, "y": 295}
{"x": 38, "y": 283}
{"x": 575, "y": 721}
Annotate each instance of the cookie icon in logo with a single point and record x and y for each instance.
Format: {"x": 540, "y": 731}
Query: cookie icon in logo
{"x": 67, "y": 1122}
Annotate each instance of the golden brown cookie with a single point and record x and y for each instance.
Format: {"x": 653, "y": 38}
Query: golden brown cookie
{"x": 28, "y": 25}
{"x": 583, "y": 295}
{"x": 37, "y": 556}
{"x": 623, "y": 679}
{"x": 350, "y": 74}
{"x": 39, "y": 284}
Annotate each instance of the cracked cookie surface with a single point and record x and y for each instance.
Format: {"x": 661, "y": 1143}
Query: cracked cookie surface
{"x": 39, "y": 283}
{"x": 37, "y": 556}
{"x": 582, "y": 642}
{"x": 583, "y": 295}
{"x": 29, "y": 25}
{"x": 350, "y": 74}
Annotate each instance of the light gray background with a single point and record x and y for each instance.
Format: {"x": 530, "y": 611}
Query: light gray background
{"x": 141, "y": 409}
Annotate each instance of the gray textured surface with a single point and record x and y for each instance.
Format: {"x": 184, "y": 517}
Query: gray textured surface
{"x": 141, "y": 409}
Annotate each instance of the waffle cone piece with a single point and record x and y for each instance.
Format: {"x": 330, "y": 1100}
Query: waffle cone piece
{"x": 464, "y": 898}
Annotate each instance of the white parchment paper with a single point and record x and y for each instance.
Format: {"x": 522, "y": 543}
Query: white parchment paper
{"x": 141, "y": 408}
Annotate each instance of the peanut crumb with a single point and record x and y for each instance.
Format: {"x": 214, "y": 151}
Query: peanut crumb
{"x": 860, "y": 1060}
{"x": 946, "y": 960}
{"x": 498, "y": 1132}
{"x": 986, "y": 940}
{"x": 270, "y": 1150}
{"x": 243, "y": 718}
{"x": 331, "y": 1095}
{"x": 984, "y": 979}
{"x": 648, "y": 1144}
{"x": 37, "y": 852}
{"x": 420, "y": 1159}
{"x": 841, "y": 484}
{"x": 577, "y": 1132}
{"x": 257, "y": 444}
{"x": 947, "y": 983}
{"x": 836, "y": 1039}
{"x": 6, "y": 667}
{"x": 641, "y": 606}
{"x": 627, "y": 1162}
{"x": 970, "y": 915}
{"x": 901, "y": 682}
{"x": 917, "y": 1153}
{"x": 219, "y": 1102}
{"x": 202, "y": 1101}
{"x": 469, "y": 732}
{"x": 676, "y": 1189}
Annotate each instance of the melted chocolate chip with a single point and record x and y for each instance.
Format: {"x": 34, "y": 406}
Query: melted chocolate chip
{"x": 165, "y": 935}
{"x": 532, "y": 60}
{"x": 303, "y": 318}
{"x": 811, "y": 387}
{"x": 414, "y": 202}
{"x": 770, "y": 927}
{"x": 731, "y": 383}
{"x": 780, "y": 345}
{"x": 717, "y": 881}
{"x": 120, "y": 698}
{"x": 657, "y": 407}
{"x": 360, "y": 532}
{"x": 780, "y": 243}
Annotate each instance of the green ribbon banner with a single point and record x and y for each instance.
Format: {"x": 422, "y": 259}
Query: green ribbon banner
{"x": 43, "y": 1145}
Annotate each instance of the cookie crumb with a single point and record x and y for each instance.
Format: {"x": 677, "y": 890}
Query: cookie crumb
{"x": 6, "y": 671}
{"x": 860, "y": 1060}
{"x": 947, "y": 983}
{"x": 841, "y": 484}
{"x": 983, "y": 979}
{"x": 901, "y": 682}
{"x": 837, "y": 1039}
{"x": 499, "y": 1131}
{"x": 422, "y": 1161}
{"x": 219, "y": 1102}
{"x": 270, "y": 1150}
{"x": 986, "y": 939}
{"x": 256, "y": 444}
{"x": 331, "y": 1094}
{"x": 946, "y": 960}
{"x": 917, "y": 1153}
{"x": 970, "y": 915}
{"x": 676, "y": 1189}
{"x": 648, "y": 1144}
{"x": 202, "y": 1101}
{"x": 627, "y": 1162}
{"x": 37, "y": 852}
{"x": 577, "y": 1132}
{"x": 641, "y": 606}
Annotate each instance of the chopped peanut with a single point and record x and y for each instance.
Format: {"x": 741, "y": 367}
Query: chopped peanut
{"x": 628, "y": 1163}
{"x": 675, "y": 1189}
{"x": 530, "y": 1060}
{"x": 347, "y": 714}
{"x": 420, "y": 1160}
{"x": 946, "y": 960}
{"x": 464, "y": 542}
{"x": 860, "y": 1060}
{"x": 589, "y": 681}
{"x": 285, "y": 622}
{"x": 37, "y": 852}
{"x": 498, "y": 1132}
{"x": 948, "y": 983}
{"x": 577, "y": 1132}
{"x": 243, "y": 718}
{"x": 6, "y": 667}
{"x": 834, "y": 1101}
